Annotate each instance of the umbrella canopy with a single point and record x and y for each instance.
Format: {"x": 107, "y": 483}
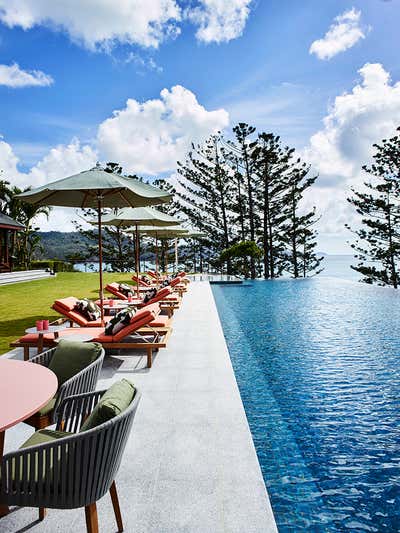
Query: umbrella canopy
{"x": 129, "y": 216}
{"x": 173, "y": 232}
{"x": 164, "y": 233}
{"x": 97, "y": 189}
{"x": 86, "y": 188}
{"x": 140, "y": 215}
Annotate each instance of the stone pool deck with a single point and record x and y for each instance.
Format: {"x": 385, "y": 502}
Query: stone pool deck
{"x": 190, "y": 464}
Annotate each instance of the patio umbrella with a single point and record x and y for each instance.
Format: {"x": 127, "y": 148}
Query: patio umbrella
{"x": 164, "y": 233}
{"x": 96, "y": 189}
{"x": 134, "y": 217}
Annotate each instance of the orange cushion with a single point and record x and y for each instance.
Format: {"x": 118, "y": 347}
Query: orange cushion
{"x": 67, "y": 303}
{"x": 142, "y": 319}
{"x": 161, "y": 321}
{"x": 113, "y": 288}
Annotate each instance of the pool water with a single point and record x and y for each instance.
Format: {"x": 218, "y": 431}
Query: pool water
{"x": 318, "y": 367}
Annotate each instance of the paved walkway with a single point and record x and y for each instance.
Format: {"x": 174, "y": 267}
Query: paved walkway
{"x": 190, "y": 464}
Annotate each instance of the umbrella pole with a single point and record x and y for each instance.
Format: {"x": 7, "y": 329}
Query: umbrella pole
{"x": 176, "y": 255}
{"x": 99, "y": 198}
{"x": 137, "y": 260}
{"x": 157, "y": 280}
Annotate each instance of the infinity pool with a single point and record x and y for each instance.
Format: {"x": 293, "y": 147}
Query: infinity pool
{"x": 318, "y": 367}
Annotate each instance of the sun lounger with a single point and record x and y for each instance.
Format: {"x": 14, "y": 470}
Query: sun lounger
{"x": 66, "y": 307}
{"x": 147, "y": 331}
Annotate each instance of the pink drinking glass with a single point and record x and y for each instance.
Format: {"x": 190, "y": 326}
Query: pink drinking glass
{"x": 39, "y": 325}
{"x": 111, "y": 303}
{"x": 46, "y": 324}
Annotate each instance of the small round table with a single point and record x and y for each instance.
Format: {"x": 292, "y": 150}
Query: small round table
{"x": 117, "y": 307}
{"x": 74, "y": 337}
{"x": 41, "y": 332}
{"x": 24, "y": 389}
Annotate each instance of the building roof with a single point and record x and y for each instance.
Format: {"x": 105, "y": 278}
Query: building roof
{"x": 9, "y": 223}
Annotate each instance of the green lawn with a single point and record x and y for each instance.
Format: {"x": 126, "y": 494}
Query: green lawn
{"x": 21, "y": 304}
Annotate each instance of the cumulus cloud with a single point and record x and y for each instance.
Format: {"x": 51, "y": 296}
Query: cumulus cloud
{"x": 101, "y": 25}
{"x": 357, "y": 119}
{"x": 93, "y": 23}
{"x": 61, "y": 161}
{"x": 150, "y": 137}
{"x": 13, "y": 76}
{"x": 343, "y": 34}
{"x": 220, "y": 20}
{"x": 146, "y": 138}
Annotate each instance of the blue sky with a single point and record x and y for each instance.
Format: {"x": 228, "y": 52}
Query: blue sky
{"x": 262, "y": 73}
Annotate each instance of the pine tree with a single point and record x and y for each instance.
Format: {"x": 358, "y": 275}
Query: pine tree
{"x": 245, "y": 147}
{"x": 205, "y": 194}
{"x": 299, "y": 233}
{"x": 271, "y": 164}
{"x": 378, "y": 244}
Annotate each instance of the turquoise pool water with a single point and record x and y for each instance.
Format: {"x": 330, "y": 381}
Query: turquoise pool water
{"x": 318, "y": 367}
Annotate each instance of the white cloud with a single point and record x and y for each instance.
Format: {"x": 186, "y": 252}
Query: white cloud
{"x": 343, "y": 34}
{"x": 220, "y": 20}
{"x": 13, "y": 76}
{"x": 144, "y": 137}
{"x": 101, "y": 24}
{"x": 357, "y": 119}
{"x": 58, "y": 163}
{"x": 150, "y": 137}
{"x": 95, "y": 23}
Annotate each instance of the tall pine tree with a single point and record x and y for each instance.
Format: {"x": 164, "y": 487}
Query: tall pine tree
{"x": 298, "y": 227}
{"x": 378, "y": 239}
{"x": 205, "y": 195}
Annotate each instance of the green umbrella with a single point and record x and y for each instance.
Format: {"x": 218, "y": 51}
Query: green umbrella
{"x": 162, "y": 233}
{"x": 134, "y": 217}
{"x": 96, "y": 189}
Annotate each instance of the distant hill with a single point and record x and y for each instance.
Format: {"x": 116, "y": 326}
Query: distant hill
{"x": 59, "y": 245}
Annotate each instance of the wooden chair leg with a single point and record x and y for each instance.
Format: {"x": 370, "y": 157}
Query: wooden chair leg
{"x": 26, "y": 353}
{"x": 117, "y": 510}
{"x": 42, "y": 513}
{"x": 92, "y": 523}
{"x": 149, "y": 357}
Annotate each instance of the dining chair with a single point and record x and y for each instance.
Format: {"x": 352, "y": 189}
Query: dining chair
{"x": 77, "y": 369}
{"x": 76, "y": 466}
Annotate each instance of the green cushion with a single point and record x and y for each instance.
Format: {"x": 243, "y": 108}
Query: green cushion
{"x": 71, "y": 357}
{"x": 113, "y": 402}
{"x": 48, "y": 408}
{"x": 39, "y": 437}
{"x": 44, "y": 435}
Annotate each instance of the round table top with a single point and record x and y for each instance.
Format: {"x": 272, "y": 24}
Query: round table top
{"x": 24, "y": 389}
{"x": 50, "y": 329}
{"x": 75, "y": 337}
{"x": 116, "y": 306}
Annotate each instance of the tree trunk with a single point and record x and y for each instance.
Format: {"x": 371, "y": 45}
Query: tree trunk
{"x": 266, "y": 258}
{"x": 251, "y": 209}
{"x": 294, "y": 233}
{"x": 391, "y": 251}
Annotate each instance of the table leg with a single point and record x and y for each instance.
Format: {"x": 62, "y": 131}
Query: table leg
{"x": 40, "y": 344}
{"x": 3, "y": 508}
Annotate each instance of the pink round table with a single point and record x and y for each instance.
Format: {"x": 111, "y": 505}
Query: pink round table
{"x": 24, "y": 389}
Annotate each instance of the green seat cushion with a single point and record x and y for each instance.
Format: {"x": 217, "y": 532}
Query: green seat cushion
{"x": 71, "y": 357}
{"x": 44, "y": 435}
{"x": 39, "y": 437}
{"x": 113, "y": 402}
{"x": 48, "y": 408}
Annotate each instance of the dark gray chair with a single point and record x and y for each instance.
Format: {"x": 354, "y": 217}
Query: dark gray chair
{"x": 73, "y": 471}
{"x": 83, "y": 381}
